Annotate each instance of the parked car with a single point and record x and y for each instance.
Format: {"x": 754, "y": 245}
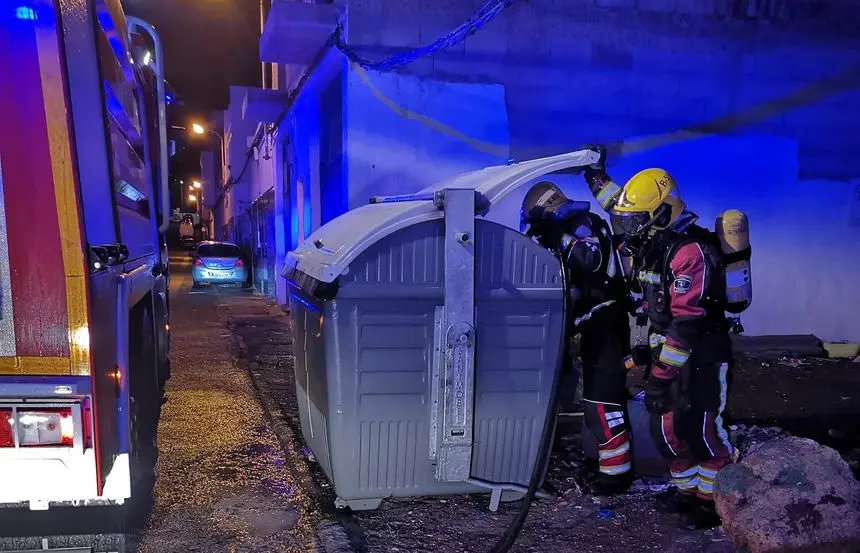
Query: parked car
{"x": 188, "y": 242}
{"x": 218, "y": 263}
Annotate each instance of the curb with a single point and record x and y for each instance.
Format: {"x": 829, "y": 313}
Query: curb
{"x": 331, "y": 534}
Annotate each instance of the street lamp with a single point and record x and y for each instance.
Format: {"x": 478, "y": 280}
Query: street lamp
{"x": 197, "y": 183}
{"x": 192, "y": 198}
{"x": 197, "y": 128}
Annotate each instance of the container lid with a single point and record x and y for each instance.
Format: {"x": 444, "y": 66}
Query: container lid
{"x": 330, "y": 249}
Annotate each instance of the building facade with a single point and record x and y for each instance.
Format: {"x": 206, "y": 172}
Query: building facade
{"x": 751, "y": 104}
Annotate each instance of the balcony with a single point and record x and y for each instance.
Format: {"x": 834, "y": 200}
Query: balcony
{"x": 263, "y": 105}
{"x": 296, "y": 31}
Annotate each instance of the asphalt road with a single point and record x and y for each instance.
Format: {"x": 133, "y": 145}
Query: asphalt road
{"x": 222, "y": 482}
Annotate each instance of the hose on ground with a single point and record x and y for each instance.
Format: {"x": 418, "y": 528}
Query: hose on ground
{"x": 503, "y": 545}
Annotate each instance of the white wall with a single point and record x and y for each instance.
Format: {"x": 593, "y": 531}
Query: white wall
{"x": 260, "y": 174}
{"x": 398, "y": 153}
{"x": 806, "y": 248}
{"x": 805, "y": 234}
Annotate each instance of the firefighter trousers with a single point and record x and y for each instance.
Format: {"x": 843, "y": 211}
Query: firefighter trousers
{"x": 604, "y": 347}
{"x": 693, "y": 436}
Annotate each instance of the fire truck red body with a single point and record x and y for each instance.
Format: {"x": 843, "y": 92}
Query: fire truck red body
{"x": 83, "y": 262}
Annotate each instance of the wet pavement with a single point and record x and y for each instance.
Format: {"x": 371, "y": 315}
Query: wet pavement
{"x": 223, "y": 482}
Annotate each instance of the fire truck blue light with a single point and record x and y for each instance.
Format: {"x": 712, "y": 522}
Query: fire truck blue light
{"x": 25, "y": 13}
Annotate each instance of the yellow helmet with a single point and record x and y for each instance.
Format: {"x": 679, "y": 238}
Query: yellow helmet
{"x": 649, "y": 201}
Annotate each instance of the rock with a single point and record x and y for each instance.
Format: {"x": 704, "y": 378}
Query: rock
{"x": 790, "y": 495}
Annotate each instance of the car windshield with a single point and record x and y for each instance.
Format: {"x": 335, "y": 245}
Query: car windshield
{"x": 218, "y": 250}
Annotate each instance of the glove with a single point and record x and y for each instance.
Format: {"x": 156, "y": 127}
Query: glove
{"x": 660, "y": 396}
{"x": 600, "y": 166}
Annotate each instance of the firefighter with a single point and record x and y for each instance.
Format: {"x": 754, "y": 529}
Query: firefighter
{"x": 583, "y": 241}
{"x": 678, "y": 267}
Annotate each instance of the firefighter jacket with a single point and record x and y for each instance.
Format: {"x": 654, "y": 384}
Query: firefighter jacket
{"x": 681, "y": 277}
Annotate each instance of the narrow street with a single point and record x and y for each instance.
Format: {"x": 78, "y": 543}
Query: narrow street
{"x": 223, "y": 482}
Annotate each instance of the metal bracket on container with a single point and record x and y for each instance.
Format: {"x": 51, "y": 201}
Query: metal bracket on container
{"x": 397, "y": 198}
{"x": 456, "y": 396}
{"x": 482, "y": 205}
{"x": 437, "y": 385}
{"x": 499, "y": 489}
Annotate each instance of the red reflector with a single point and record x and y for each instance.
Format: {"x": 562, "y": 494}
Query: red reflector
{"x": 199, "y": 262}
{"x": 88, "y": 424}
{"x": 6, "y": 437}
{"x": 240, "y": 263}
{"x": 46, "y": 427}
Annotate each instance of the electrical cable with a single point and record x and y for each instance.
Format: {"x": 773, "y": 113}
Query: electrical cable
{"x": 541, "y": 462}
{"x": 248, "y": 155}
{"x": 231, "y": 181}
{"x": 481, "y": 18}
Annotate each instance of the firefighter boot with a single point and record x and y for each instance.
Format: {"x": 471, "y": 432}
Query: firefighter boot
{"x": 703, "y": 517}
{"x": 600, "y": 484}
{"x": 675, "y": 502}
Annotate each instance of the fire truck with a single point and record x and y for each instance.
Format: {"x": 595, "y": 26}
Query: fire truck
{"x": 84, "y": 320}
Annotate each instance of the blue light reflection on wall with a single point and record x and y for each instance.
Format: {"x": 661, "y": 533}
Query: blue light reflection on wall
{"x": 308, "y": 215}
{"x": 304, "y": 132}
{"x": 294, "y": 217}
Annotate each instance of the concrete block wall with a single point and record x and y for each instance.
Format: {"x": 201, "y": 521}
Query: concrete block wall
{"x": 602, "y": 70}
{"x": 778, "y": 100}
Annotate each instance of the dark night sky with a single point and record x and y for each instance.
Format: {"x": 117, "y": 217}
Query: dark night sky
{"x": 209, "y": 45}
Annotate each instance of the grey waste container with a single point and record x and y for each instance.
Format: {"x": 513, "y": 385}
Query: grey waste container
{"x": 426, "y": 338}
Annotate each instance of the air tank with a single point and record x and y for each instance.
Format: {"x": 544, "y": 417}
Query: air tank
{"x": 732, "y": 228}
